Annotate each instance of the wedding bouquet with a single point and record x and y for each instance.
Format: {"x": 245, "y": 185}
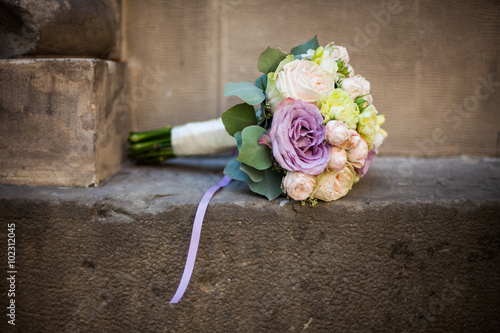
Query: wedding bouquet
{"x": 306, "y": 128}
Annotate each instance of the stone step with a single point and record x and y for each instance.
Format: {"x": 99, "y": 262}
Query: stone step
{"x": 63, "y": 121}
{"x": 414, "y": 247}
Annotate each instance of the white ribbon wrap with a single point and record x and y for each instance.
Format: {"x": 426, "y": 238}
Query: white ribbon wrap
{"x": 201, "y": 138}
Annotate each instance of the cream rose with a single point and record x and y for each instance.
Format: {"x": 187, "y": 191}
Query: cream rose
{"x": 338, "y": 158}
{"x": 332, "y": 185}
{"x": 337, "y": 132}
{"x": 357, "y": 86}
{"x": 298, "y": 185}
{"x": 304, "y": 80}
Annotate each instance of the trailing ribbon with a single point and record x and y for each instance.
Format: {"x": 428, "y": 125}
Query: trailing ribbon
{"x": 195, "y": 238}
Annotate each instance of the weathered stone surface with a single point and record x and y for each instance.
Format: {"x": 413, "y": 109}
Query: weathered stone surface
{"x": 414, "y": 247}
{"x": 59, "y": 27}
{"x": 62, "y": 121}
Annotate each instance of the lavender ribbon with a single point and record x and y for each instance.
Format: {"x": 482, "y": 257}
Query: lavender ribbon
{"x": 195, "y": 238}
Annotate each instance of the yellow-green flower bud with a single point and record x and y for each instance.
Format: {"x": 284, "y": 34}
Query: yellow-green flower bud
{"x": 367, "y": 125}
{"x": 339, "y": 106}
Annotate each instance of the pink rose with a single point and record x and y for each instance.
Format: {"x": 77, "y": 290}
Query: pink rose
{"x": 353, "y": 139}
{"x": 338, "y": 158}
{"x": 304, "y": 80}
{"x": 358, "y": 150}
{"x": 298, "y": 185}
{"x": 337, "y": 132}
{"x": 332, "y": 185}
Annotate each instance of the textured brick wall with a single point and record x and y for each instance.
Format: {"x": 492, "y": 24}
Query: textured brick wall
{"x": 433, "y": 65}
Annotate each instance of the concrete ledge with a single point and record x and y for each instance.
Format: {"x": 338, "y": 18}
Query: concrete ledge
{"x": 61, "y": 122}
{"x": 414, "y": 247}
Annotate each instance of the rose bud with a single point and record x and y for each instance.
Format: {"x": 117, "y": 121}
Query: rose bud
{"x": 338, "y": 158}
{"x": 337, "y": 132}
{"x": 298, "y": 185}
{"x": 358, "y": 151}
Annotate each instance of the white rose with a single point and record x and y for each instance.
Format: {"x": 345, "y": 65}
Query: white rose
{"x": 378, "y": 140}
{"x": 338, "y": 52}
{"x": 338, "y": 158}
{"x": 309, "y": 55}
{"x": 337, "y": 132}
{"x": 350, "y": 69}
{"x": 330, "y": 66}
{"x": 298, "y": 185}
{"x": 357, "y": 86}
{"x": 304, "y": 80}
{"x": 332, "y": 185}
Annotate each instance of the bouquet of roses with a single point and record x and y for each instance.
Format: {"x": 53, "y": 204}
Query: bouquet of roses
{"x": 307, "y": 127}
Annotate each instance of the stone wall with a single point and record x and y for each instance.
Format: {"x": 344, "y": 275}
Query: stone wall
{"x": 433, "y": 65}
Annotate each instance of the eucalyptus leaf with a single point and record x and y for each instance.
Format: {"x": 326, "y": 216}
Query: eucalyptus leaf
{"x": 254, "y": 174}
{"x": 252, "y": 153}
{"x": 310, "y": 44}
{"x": 248, "y": 92}
{"x": 261, "y": 82}
{"x": 270, "y": 186}
{"x": 233, "y": 170}
{"x": 239, "y": 139}
{"x": 238, "y": 117}
{"x": 269, "y": 60}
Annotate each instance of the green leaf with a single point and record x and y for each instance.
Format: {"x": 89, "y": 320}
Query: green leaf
{"x": 301, "y": 49}
{"x": 253, "y": 153}
{"x": 269, "y": 60}
{"x": 261, "y": 82}
{"x": 233, "y": 170}
{"x": 270, "y": 186}
{"x": 248, "y": 92}
{"x": 238, "y": 117}
{"x": 360, "y": 102}
{"x": 343, "y": 68}
{"x": 286, "y": 60}
{"x": 254, "y": 174}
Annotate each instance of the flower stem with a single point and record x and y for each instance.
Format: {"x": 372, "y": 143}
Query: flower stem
{"x": 148, "y": 135}
{"x": 151, "y": 146}
{"x": 141, "y": 155}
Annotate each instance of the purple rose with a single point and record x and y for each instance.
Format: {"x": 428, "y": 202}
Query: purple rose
{"x": 297, "y": 137}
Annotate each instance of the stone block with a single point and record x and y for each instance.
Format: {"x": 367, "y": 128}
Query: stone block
{"x": 414, "y": 247}
{"x": 68, "y": 28}
{"x": 61, "y": 121}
